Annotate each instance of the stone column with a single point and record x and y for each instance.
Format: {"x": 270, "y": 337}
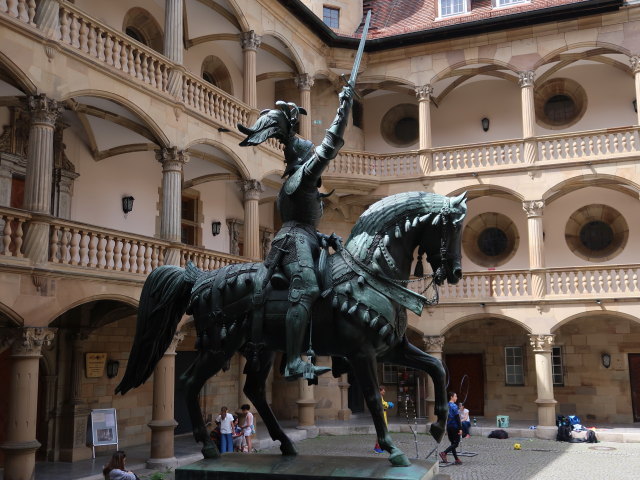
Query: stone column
{"x": 304, "y": 83}
{"x": 75, "y": 411}
{"x": 306, "y": 404}
{"x": 172, "y": 161}
{"x": 173, "y": 31}
{"x": 635, "y": 66}
{"x": 424, "y": 111}
{"x": 20, "y": 443}
{"x": 47, "y": 17}
{"x": 345, "y": 412}
{"x": 242, "y": 398}
{"x": 251, "y": 190}
{"x": 528, "y": 115}
{"x": 39, "y": 176}
{"x": 162, "y": 423}
{"x": 542, "y": 345}
{"x": 250, "y": 43}
{"x": 433, "y": 345}
{"x": 534, "y": 210}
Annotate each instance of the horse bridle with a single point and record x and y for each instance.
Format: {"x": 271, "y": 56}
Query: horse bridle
{"x": 446, "y": 259}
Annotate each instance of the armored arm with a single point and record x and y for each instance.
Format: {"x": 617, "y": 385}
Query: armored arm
{"x": 333, "y": 141}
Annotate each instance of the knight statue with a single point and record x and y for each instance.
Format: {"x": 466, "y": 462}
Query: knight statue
{"x": 295, "y": 250}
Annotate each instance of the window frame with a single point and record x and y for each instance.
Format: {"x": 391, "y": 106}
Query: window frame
{"x": 507, "y": 3}
{"x": 557, "y": 369}
{"x": 191, "y": 223}
{"x": 389, "y": 374}
{"x": 511, "y": 379}
{"x": 331, "y": 9}
{"x": 466, "y": 4}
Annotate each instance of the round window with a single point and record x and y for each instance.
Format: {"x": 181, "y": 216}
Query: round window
{"x": 560, "y": 109}
{"x": 559, "y": 103}
{"x": 596, "y": 232}
{"x": 400, "y": 125}
{"x": 490, "y": 239}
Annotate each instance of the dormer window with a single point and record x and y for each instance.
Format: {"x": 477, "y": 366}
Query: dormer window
{"x": 453, "y": 7}
{"x": 331, "y": 16}
{"x": 506, "y": 3}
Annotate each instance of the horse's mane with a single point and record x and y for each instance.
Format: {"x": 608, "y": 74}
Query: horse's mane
{"x": 390, "y": 214}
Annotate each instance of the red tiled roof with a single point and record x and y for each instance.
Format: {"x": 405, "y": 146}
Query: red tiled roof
{"x": 396, "y": 17}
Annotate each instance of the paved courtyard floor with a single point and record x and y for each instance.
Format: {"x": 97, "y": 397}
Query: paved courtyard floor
{"x": 497, "y": 459}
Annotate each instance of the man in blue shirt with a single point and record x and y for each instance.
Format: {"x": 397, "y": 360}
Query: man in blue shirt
{"x": 454, "y": 429}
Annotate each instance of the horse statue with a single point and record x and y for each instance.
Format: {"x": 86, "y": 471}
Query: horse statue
{"x": 360, "y": 318}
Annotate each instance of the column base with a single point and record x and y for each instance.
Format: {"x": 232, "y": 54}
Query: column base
{"x": 162, "y": 463}
{"x": 344, "y": 414}
{"x": 312, "y": 431}
{"x": 19, "y": 459}
{"x": 546, "y": 412}
{"x": 162, "y": 442}
{"x": 431, "y": 407}
{"x": 306, "y": 413}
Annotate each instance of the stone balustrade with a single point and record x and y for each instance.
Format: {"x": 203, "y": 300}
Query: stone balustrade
{"x": 12, "y": 230}
{"x": 603, "y": 281}
{"x": 589, "y": 145}
{"x": 22, "y": 10}
{"x": 207, "y": 259}
{"x": 394, "y": 165}
{"x": 478, "y": 156}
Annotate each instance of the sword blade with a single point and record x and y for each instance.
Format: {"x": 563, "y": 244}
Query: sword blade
{"x": 358, "y": 59}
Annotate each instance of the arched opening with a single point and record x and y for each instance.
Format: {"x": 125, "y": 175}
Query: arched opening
{"x": 216, "y": 73}
{"x": 140, "y": 25}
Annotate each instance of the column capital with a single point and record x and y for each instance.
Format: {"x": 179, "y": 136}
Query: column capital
{"x": 433, "y": 343}
{"x": 31, "y": 340}
{"x": 304, "y": 81}
{"x": 424, "y": 92}
{"x": 533, "y": 208}
{"x": 525, "y": 79}
{"x": 635, "y": 63}
{"x": 43, "y": 110}
{"x": 250, "y": 40}
{"x": 251, "y": 189}
{"x": 171, "y": 158}
{"x": 541, "y": 342}
{"x": 177, "y": 339}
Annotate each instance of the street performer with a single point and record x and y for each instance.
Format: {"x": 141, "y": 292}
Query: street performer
{"x": 296, "y": 247}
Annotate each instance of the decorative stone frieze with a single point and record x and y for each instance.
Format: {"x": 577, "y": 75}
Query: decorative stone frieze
{"x": 526, "y": 79}
{"x": 533, "y": 208}
{"x": 541, "y": 342}
{"x": 250, "y": 40}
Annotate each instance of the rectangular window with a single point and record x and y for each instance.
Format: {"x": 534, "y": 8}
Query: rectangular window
{"x": 356, "y": 111}
{"x": 557, "y": 368}
{"x": 389, "y": 373}
{"x": 331, "y": 16}
{"x": 514, "y": 366}
{"x": 189, "y": 220}
{"x": 452, "y": 7}
{"x": 503, "y": 3}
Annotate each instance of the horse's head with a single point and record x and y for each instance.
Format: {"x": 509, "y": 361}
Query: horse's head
{"x": 443, "y": 248}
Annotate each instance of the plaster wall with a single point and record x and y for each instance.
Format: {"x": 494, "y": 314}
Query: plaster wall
{"x": 114, "y": 15}
{"x": 228, "y": 52}
{"x": 375, "y": 109}
{"x": 350, "y": 12}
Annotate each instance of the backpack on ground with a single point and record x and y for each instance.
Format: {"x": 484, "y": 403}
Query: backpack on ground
{"x": 564, "y": 433}
{"x": 500, "y": 434}
{"x": 591, "y": 437}
{"x": 561, "y": 420}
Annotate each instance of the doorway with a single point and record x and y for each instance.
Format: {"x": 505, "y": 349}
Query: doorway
{"x": 355, "y": 398}
{"x": 634, "y": 376}
{"x": 184, "y": 359}
{"x": 466, "y": 378}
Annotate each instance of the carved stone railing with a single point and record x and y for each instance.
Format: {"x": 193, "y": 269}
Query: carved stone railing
{"x": 12, "y": 230}
{"x": 207, "y": 259}
{"x": 473, "y": 157}
{"x": 79, "y": 31}
{"x": 21, "y": 10}
{"x": 605, "y": 280}
{"x": 590, "y": 145}
{"x": 350, "y": 163}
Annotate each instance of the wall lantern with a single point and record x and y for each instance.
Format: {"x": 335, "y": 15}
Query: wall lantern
{"x": 606, "y": 360}
{"x": 635, "y": 105}
{"x": 485, "y": 124}
{"x": 215, "y": 228}
{"x": 127, "y": 204}
{"x": 112, "y": 368}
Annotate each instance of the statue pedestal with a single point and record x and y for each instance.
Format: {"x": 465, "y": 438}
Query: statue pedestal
{"x": 238, "y": 466}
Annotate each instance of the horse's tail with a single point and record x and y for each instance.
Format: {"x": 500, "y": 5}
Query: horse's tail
{"x": 163, "y": 301}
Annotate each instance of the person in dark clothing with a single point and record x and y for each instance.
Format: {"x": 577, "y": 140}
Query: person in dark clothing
{"x": 454, "y": 429}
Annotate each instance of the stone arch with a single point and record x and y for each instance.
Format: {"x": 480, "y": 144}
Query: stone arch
{"x": 214, "y": 71}
{"x": 243, "y": 170}
{"x": 131, "y": 301}
{"x": 480, "y": 316}
{"x": 275, "y": 171}
{"x": 613, "y": 182}
{"x": 597, "y": 44}
{"x": 240, "y": 16}
{"x": 142, "y": 26}
{"x": 154, "y": 127}
{"x": 10, "y": 315}
{"x": 594, "y": 313}
{"x": 447, "y": 71}
{"x": 475, "y": 191}
{"x": 296, "y": 57}
{"x": 21, "y": 79}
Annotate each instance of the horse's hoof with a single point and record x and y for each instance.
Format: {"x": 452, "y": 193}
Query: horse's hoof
{"x": 437, "y": 432}
{"x": 288, "y": 449}
{"x": 211, "y": 452}
{"x": 399, "y": 459}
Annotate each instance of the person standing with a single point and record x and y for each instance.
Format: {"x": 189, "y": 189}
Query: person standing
{"x": 464, "y": 420}
{"x": 454, "y": 429}
{"x": 225, "y": 420}
{"x": 385, "y": 407}
{"x": 248, "y": 428}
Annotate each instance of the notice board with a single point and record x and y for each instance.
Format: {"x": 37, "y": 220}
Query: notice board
{"x": 104, "y": 428}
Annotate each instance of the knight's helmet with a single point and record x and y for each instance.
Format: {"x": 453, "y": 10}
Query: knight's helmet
{"x": 281, "y": 123}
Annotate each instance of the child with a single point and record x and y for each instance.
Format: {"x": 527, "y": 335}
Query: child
{"x": 385, "y": 407}
{"x": 248, "y": 427}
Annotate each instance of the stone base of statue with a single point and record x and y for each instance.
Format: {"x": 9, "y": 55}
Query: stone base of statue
{"x": 239, "y": 466}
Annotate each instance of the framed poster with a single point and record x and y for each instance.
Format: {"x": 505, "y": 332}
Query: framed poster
{"x": 104, "y": 428}
{"x": 94, "y": 364}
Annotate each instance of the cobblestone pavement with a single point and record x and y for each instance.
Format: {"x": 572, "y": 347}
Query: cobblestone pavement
{"x": 497, "y": 459}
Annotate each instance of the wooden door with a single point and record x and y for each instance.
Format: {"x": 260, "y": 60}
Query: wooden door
{"x": 634, "y": 376}
{"x": 467, "y": 369}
